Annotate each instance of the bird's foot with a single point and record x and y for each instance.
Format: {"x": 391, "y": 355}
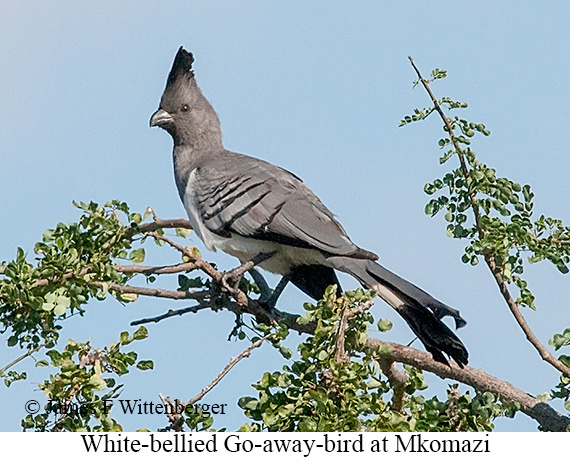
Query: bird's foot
{"x": 230, "y": 280}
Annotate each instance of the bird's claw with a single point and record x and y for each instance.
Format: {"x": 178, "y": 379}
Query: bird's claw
{"x": 236, "y": 274}
{"x": 230, "y": 281}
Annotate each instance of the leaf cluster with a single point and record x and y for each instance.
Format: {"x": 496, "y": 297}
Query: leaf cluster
{"x": 69, "y": 260}
{"x": 495, "y": 214}
{"x": 85, "y": 378}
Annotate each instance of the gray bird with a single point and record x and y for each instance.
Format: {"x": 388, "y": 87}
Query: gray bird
{"x": 254, "y": 210}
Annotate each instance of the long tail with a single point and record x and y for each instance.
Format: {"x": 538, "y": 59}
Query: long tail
{"x": 420, "y": 310}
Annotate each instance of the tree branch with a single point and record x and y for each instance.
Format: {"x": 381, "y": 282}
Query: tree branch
{"x": 488, "y": 256}
{"x": 545, "y": 415}
{"x": 548, "y": 418}
{"x": 201, "y": 264}
{"x": 398, "y": 380}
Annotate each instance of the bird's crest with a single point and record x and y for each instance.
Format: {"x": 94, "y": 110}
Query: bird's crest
{"x": 182, "y": 65}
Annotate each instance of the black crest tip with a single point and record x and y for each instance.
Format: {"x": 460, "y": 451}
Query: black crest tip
{"x": 182, "y": 64}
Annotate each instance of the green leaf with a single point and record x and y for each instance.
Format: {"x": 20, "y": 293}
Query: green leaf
{"x": 145, "y": 365}
{"x": 64, "y": 301}
{"x": 60, "y": 309}
{"x": 97, "y": 382}
{"x": 137, "y": 255}
{"x": 182, "y": 232}
{"x": 248, "y": 403}
{"x": 429, "y": 189}
{"x": 125, "y": 338}
{"x": 129, "y": 298}
{"x": 285, "y": 352}
{"x": 384, "y": 325}
{"x": 304, "y": 320}
{"x": 374, "y": 384}
{"x": 431, "y": 209}
{"x": 141, "y": 333}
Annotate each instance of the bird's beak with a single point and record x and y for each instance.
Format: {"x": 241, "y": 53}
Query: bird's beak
{"x": 161, "y": 118}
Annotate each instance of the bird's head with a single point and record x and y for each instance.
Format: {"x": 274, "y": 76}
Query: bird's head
{"x": 183, "y": 111}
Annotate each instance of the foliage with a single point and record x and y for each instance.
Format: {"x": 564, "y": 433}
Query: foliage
{"x": 80, "y": 392}
{"x": 322, "y": 391}
{"x": 74, "y": 262}
{"x": 496, "y": 216}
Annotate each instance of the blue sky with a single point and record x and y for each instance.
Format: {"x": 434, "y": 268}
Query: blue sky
{"x": 317, "y": 88}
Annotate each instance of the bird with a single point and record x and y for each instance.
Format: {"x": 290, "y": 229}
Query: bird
{"x": 265, "y": 215}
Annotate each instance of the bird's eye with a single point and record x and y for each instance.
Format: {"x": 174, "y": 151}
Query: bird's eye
{"x": 185, "y": 108}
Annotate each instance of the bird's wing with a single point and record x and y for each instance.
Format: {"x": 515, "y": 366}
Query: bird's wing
{"x": 241, "y": 195}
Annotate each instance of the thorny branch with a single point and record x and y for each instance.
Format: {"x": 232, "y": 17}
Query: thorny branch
{"x": 496, "y": 270}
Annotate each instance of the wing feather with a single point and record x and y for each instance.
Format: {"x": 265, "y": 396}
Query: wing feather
{"x": 259, "y": 200}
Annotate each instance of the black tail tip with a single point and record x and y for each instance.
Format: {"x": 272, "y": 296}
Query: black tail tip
{"x": 459, "y": 354}
{"x": 437, "y": 337}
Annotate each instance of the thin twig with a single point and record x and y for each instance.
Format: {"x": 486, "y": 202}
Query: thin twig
{"x": 176, "y": 418}
{"x": 171, "y": 313}
{"x": 163, "y": 223}
{"x": 347, "y": 314}
{"x": 172, "y": 294}
{"x": 229, "y": 366}
{"x": 127, "y": 269}
{"x": 488, "y": 256}
{"x": 340, "y": 355}
{"x": 149, "y": 270}
{"x": 23, "y": 356}
{"x": 65, "y": 408}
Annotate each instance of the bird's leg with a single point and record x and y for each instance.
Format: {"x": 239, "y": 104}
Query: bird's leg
{"x": 268, "y": 297}
{"x": 235, "y": 275}
{"x": 272, "y": 300}
{"x": 259, "y": 280}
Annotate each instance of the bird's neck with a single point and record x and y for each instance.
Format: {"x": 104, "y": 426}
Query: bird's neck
{"x": 188, "y": 158}
{"x": 202, "y": 140}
